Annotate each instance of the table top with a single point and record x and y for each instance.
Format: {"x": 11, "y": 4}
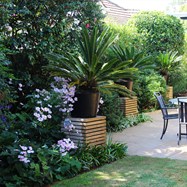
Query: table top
{"x": 175, "y": 100}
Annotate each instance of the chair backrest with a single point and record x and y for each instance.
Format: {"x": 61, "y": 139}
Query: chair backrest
{"x": 182, "y": 110}
{"x": 161, "y": 103}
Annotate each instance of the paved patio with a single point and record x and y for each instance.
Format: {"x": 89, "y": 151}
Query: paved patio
{"x": 144, "y": 139}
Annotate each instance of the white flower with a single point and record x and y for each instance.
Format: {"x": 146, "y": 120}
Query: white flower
{"x": 20, "y": 156}
{"x": 10, "y": 81}
{"x": 30, "y": 151}
{"x": 101, "y": 101}
{"x": 56, "y": 90}
{"x": 45, "y": 109}
{"x": 40, "y": 119}
{"x": 20, "y": 85}
{"x": 75, "y": 99}
{"x": 37, "y": 96}
{"x": 63, "y": 110}
{"x": 37, "y": 109}
{"x": 49, "y": 116}
{"x": 64, "y": 154}
{"x": 44, "y": 117}
{"x": 37, "y": 115}
{"x": 24, "y": 148}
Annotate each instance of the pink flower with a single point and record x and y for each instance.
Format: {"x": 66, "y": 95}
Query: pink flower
{"x": 87, "y": 25}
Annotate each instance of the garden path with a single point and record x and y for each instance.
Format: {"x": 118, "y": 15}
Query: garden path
{"x": 144, "y": 139}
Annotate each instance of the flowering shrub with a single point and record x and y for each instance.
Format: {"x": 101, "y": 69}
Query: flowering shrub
{"x": 68, "y": 125}
{"x": 24, "y": 153}
{"x": 43, "y": 109}
{"x": 65, "y": 145}
{"x": 48, "y": 154}
{"x": 33, "y": 149}
{"x": 65, "y": 92}
{"x": 56, "y": 102}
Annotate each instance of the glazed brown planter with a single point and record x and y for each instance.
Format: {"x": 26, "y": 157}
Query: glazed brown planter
{"x": 87, "y": 104}
{"x": 126, "y": 82}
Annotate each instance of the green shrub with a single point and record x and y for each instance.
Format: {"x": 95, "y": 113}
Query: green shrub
{"x": 136, "y": 119}
{"x": 111, "y": 109}
{"x": 115, "y": 119}
{"x": 95, "y": 156}
{"x": 6, "y": 76}
{"x": 127, "y": 36}
{"x": 147, "y": 83}
{"x": 178, "y": 79}
{"x": 159, "y": 32}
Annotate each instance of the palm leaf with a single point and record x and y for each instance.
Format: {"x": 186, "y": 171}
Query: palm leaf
{"x": 90, "y": 68}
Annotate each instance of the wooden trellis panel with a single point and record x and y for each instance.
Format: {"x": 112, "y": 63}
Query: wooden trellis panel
{"x": 90, "y": 131}
{"x": 129, "y": 106}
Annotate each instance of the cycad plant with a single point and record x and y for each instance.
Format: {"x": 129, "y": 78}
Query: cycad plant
{"x": 135, "y": 59}
{"x": 90, "y": 70}
{"x": 168, "y": 62}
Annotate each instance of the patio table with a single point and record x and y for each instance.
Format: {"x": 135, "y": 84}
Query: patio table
{"x": 174, "y": 101}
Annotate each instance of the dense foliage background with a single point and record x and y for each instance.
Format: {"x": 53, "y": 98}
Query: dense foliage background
{"x": 33, "y": 28}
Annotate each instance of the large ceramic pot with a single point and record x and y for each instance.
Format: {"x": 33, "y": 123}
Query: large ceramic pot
{"x": 126, "y": 82}
{"x": 86, "y": 105}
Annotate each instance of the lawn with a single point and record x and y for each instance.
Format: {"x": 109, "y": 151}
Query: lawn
{"x": 133, "y": 171}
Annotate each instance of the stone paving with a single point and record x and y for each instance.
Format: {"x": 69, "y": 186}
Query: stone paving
{"x": 144, "y": 139}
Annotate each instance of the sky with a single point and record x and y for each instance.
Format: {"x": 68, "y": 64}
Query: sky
{"x": 143, "y": 4}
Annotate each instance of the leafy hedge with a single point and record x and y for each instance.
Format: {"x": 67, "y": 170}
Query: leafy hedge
{"x": 147, "y": 83}
{"x": 178, "y": 79}
{"x": 160, "y": 32}
{"x": 127, "y": 35}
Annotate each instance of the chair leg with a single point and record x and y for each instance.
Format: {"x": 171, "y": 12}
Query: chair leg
{"x": 179, "y": 134}
{"x": 164, "y": 128}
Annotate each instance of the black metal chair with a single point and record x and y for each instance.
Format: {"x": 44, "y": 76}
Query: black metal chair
{"x": 164, "y": 108}
{"x": 182, "y": 116}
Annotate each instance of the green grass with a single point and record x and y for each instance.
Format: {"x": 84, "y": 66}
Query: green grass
{"x": 133, "y": 171}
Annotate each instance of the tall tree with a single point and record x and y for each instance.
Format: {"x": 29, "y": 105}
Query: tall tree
{"x": 33, "y": 28}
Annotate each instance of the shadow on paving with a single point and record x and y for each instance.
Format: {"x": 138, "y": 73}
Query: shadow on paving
{"x": 144, "y": 139}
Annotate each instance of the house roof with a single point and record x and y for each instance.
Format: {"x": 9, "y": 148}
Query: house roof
{"x": 181, "y": 15}
{"x": 116, "y": 13}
